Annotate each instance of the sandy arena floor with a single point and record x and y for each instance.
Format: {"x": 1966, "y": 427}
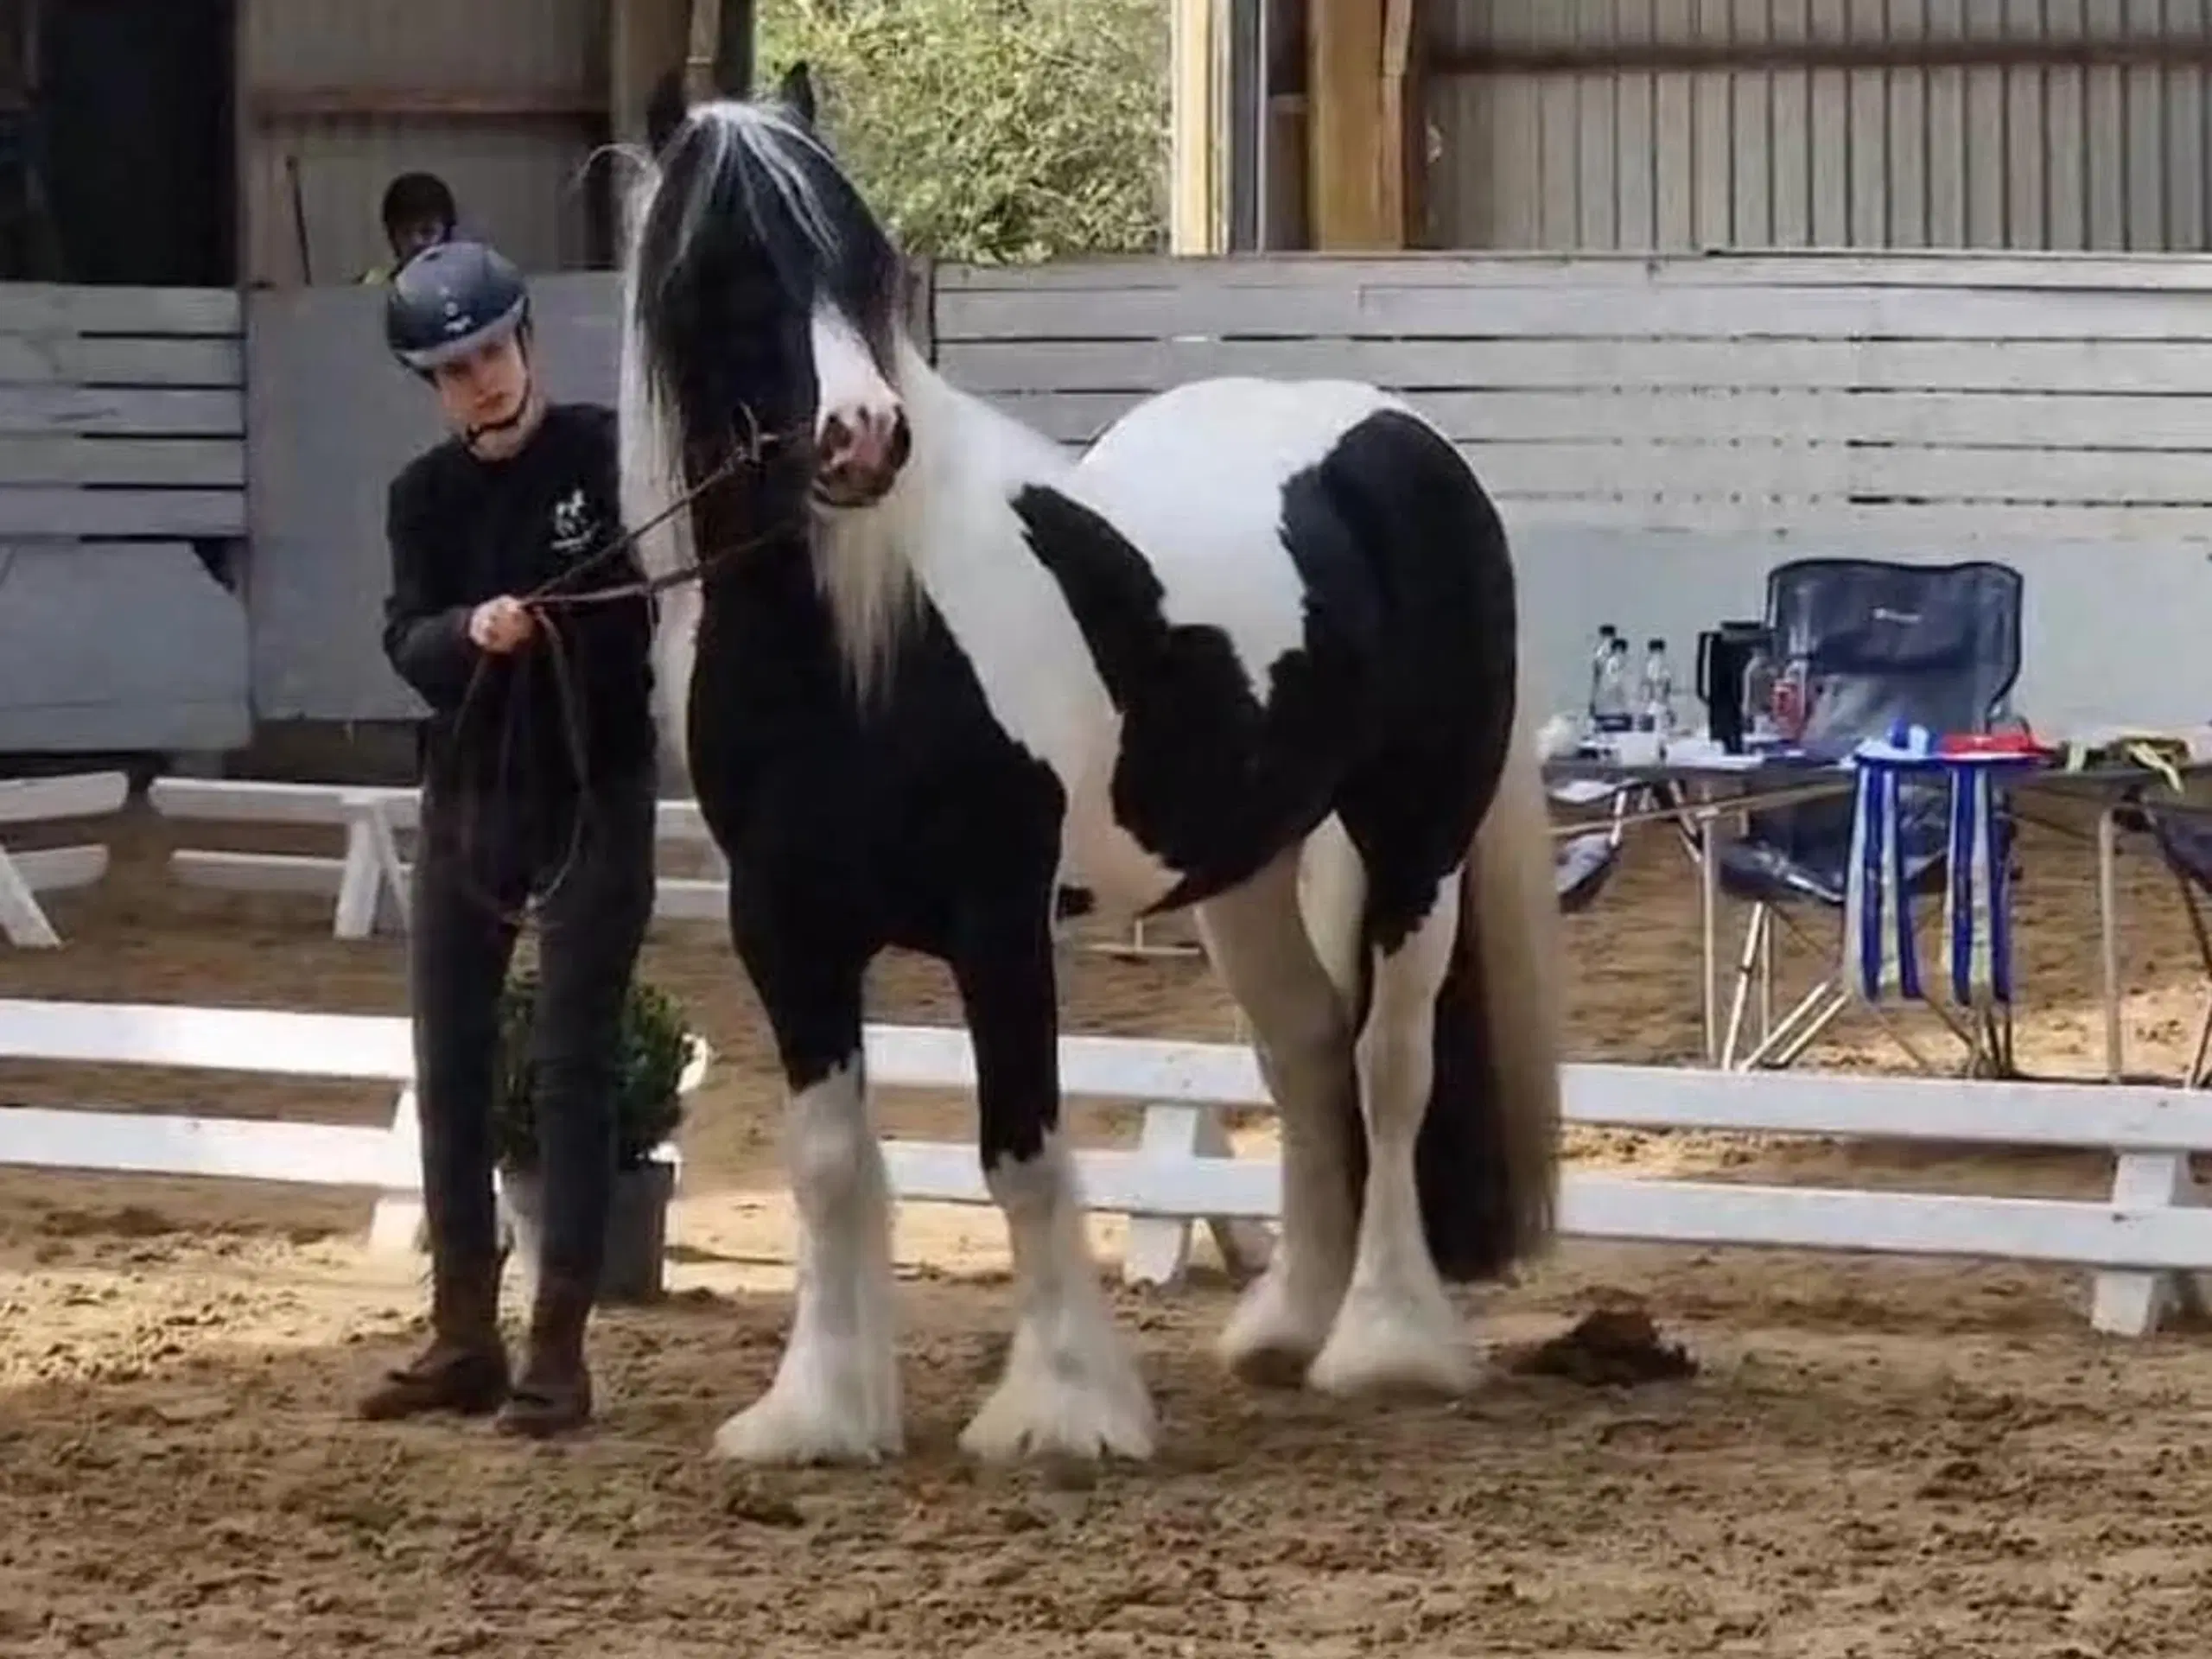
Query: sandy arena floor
{"x": 1876, "y": 1458}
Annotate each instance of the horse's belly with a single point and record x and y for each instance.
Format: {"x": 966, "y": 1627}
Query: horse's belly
{"x": 1097, "y": 854}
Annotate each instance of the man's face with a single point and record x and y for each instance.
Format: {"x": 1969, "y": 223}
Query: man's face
{"x": 485, "y": 388}
{"x": 410, "y": 239}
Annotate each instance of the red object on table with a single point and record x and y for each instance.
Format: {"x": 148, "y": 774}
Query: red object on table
{"x": 2022, "y": 742}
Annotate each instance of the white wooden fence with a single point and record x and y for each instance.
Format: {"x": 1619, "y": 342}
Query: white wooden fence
{"x": 369, "y": 878}
{"x": 25, "y": 875}
{"x": 2138, "y": 1241}
{"x": 383, "y": 1158}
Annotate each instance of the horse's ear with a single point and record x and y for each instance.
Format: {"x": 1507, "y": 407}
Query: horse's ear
{"x": 664, "y": 111}
{"x": 797, "y": 90}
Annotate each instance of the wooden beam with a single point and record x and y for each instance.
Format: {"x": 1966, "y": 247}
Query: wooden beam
{"x": 646, "y": 40}
{"x": 1345, "y": 139}
{"x": 1394, "y": 155}
{"x": 735, "y": 68}
{"x": 271, "y": 104}
{"x": 1193, "y": 220}
{"x": 706, "y": 43}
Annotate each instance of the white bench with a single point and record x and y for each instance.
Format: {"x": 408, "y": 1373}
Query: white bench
{"x": 268, "y": 1042}
{"x": 2142, "y": 1241}
{"x": 369, "y": 880}
{"x": 24, "y": 875}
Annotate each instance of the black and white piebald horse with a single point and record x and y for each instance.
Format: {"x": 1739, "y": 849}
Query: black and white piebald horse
{"x": 1254, "y": 653}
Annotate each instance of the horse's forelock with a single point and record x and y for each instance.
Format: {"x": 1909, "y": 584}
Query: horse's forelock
{"x": 746, "y": 189}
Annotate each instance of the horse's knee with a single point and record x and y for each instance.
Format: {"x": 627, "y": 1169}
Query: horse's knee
{"x": 833, "y": 1155}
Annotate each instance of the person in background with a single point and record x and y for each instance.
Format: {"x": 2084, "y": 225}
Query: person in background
{"x": 538, "y": 789}
{"x": 418, "y": 212}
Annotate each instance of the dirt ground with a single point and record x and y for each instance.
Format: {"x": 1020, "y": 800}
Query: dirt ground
{"x": 1874, "y": 1457}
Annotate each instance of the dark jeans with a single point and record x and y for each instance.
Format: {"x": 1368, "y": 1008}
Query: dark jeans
{"x": 479, "y": 859}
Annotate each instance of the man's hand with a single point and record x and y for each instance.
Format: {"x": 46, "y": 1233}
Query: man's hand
{"x": 500, "y": 625}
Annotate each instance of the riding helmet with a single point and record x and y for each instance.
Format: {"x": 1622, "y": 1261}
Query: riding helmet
{"x": 449, "y": 300}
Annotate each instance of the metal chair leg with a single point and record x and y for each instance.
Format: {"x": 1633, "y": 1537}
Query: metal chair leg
{"x": 1755, "y": 931}
{"x": 1807, "y": 1019}
{"x": 1766, "y": 984}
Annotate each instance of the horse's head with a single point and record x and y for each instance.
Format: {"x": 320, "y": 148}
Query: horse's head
{"x": 766, "y": 297}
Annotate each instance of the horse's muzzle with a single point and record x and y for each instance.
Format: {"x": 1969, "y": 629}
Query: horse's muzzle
{"x": 858, "y": 457}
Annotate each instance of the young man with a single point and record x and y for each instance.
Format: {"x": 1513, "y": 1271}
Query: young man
{"x": 520, "y": 492}
{"x": 417, "y": 212}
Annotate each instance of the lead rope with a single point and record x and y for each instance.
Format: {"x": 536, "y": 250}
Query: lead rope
{"x": 543, "y": 601}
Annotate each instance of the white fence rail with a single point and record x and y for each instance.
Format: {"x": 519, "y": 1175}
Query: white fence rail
{"x": 2139, "y": 1241}
{"x": 24, "y": 875}
{"x": 370, "y": 879}
{"x": 337, "y": 1047}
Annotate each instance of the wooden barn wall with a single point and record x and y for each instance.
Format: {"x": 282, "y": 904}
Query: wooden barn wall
{"x": 2037, "y": 124}
{"x": 123, "y": 506}
{"x": 504, "y": 99}
{"x": 1658, "y": 434}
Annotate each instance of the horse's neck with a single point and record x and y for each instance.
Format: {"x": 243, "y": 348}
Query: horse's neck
{"x": 966, "y": 447}
{"x": 948, "y": 528}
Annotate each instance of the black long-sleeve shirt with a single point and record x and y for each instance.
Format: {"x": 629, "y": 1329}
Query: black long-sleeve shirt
{"x": 463, "y": 530}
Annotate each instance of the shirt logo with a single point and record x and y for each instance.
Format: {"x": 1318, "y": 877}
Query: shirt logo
{"x": 572, "y": 524}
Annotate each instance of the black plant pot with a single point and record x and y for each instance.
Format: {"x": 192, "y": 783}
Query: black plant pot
{"x": 637, "y": 1227}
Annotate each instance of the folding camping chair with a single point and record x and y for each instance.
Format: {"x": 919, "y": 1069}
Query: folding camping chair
{"x": 1936, "y": 646}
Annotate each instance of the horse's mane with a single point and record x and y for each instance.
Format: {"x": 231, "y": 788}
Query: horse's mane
{"x": 742, "y": 189}
{"x": 746, "y": 220}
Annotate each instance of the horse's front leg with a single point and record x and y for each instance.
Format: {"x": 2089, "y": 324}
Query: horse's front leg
{"x": 1070, "y": 1386}
{"x": 835, "y": 1394}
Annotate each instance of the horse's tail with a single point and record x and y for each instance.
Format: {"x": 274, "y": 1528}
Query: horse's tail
{"x": 1487, "y": 1159}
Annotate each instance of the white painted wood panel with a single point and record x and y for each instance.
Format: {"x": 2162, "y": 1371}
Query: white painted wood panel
{"x": 2057, "y": 398}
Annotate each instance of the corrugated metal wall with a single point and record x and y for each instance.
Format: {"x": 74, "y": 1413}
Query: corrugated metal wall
{"x": 505, "y": 98}
{"x": 2020, "y": 154}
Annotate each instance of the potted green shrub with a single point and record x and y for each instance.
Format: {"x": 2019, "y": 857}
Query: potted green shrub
{"x": 656, "y": 1045}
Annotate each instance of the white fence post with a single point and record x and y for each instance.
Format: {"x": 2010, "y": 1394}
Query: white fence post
{"x": 2136, "y": 1304}
{"x": 24, "y": 875}
{"x": 1158, "y": 1248}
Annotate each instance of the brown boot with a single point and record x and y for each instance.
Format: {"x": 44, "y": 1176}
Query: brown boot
{"x": 553, "y": 1393}
{"x": 464, "y": 1369}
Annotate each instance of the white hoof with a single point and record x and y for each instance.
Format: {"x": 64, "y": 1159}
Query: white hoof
{"x": 1274, "y": 1336}
{"x": 813, "y": 1416}
{"x": 1386, "y": 1344}
{"x": 1066, "y": 1405}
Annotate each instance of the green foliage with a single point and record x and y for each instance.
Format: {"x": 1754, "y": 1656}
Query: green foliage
{"x": 995, "y": 131}
{"x": 654, "y": 1047}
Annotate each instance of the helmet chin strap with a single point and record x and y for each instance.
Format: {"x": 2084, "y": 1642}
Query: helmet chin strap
{"x": 473, "y": 436}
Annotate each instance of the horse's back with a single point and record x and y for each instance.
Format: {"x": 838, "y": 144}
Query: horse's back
{"x": 1308, "y": 501}
{"x": 1339, "y": 547}
{"x": 1400, "y": 559}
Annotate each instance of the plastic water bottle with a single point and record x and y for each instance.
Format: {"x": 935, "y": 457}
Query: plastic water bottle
{"x": 1606, "y": 634}
{"x": 1761, "y": 678}
{"x": 1655, "y": 700}
{"x": 1611, "y": 710}
{"x": 1793, "y": 694}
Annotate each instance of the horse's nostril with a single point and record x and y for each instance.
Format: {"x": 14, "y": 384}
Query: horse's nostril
{"x": 902, "y": 440}
{"x": 837, "y": 438}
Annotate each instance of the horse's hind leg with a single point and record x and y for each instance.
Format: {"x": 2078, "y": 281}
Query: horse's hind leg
{"x": 1070, "y": 1386}
{"x": 1301, "y": 1035}
{"x": 1397, "y": 1328}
